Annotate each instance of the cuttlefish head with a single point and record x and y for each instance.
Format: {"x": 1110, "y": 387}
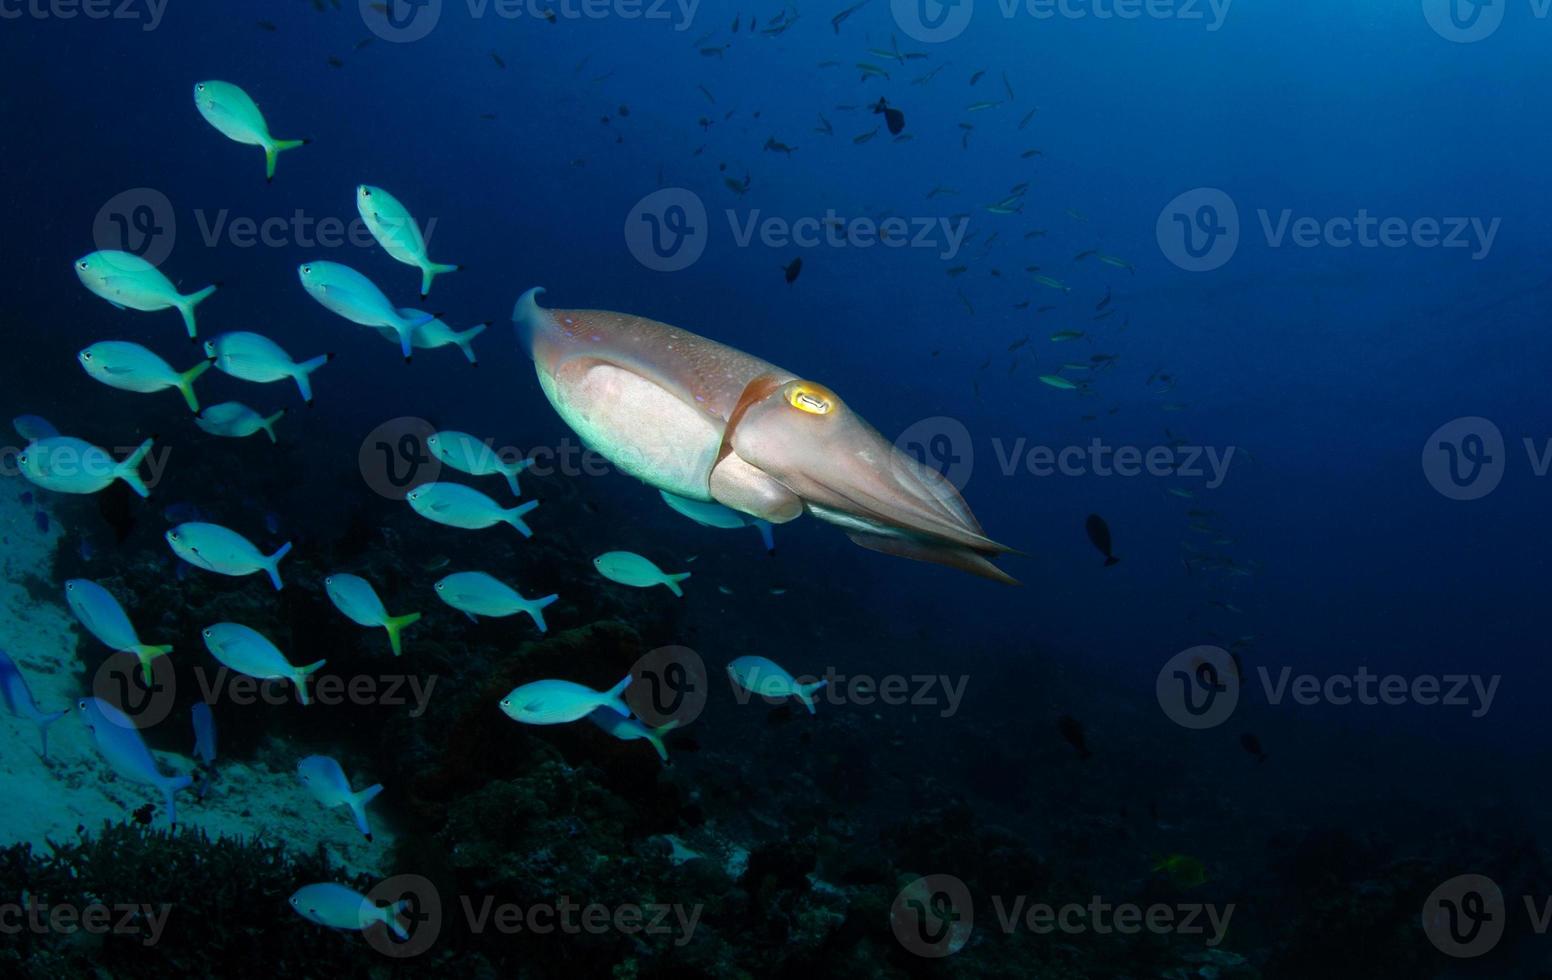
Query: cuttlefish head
{"x": 803, "y": 436}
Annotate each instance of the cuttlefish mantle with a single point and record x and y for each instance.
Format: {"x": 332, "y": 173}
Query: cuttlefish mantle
{"x": 709, "y": 422}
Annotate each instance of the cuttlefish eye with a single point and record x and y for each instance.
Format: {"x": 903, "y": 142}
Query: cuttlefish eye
{"x": 811, "y": 398}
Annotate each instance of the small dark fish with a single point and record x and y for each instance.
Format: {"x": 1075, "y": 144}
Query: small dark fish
{"x": 977, "y": 76}
{"x": 792, "y": 269}
{"x": 1104, "y": 302}
{"x": 777, "y": 146}
{"x": 1099, "y": 533}
{"x": 1072, "y": 731}
{"x": 265, "y": 25}
{"x": 143, "y": 815}
{"x": 1251, "y": 744}
{"x": 26, "y": 498}
{"x": 335, "y": 62}
{"x": 41, "y": 519}
{"x": 893, "y": 118}
{"x": 623, "y": 111}
{"x": 85, "y": 548}
{"x": 500, "y": 61}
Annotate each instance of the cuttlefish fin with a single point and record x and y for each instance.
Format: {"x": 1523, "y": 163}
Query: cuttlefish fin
{"x": 937, "y": 553}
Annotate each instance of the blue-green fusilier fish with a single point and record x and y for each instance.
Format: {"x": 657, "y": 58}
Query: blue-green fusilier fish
{"x": 355, "y": 597}
{"x": 712, "y": 514}
{"x": 466, "y": 454}
{"x": 456, "y": 505}
{"x": 105, "y": 619}
{"x": 555, "y": 702}
{"x": 757, "y": 675}
{"x": 230, "y": 110}
{"x": 127, "y": 280}
{"x": 65, "y": 464}
{"x": 339, "y": 907}
{"x": 224, "y": 551}
{"x": 629, "y": 568}
{"x": 250, "y": 652}
{"x": 330, "y": 787}
{"x": 629, "y": 729}
{"x": 251, "y": 357}
{"x": 477, "y": 594}
{"x": 396, "y": 231}
{"x": 236, "y": 420}
{"x": 125, "y": 751}
{"x": 353, "y": 296}
{"x": 18, "y": 698}
{"x": 34, "y": 427}
{"x": 434, "y": 333}
{"x": 131, "y": 367}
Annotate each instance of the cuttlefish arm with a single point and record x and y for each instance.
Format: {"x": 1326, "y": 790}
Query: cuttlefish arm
{"x": 709, "y": 422}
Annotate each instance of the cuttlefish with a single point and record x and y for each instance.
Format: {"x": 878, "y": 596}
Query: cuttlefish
{"x": 708, "y": 422}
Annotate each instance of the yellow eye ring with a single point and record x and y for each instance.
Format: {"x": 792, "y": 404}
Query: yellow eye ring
{"x": 810, "y": 398}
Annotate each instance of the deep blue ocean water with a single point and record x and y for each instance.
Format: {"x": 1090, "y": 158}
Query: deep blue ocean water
{"x": 1327, "y": 370}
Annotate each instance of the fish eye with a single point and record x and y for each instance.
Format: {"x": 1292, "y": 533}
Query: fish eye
{"x": 506, "y": 702}
{"x": 21, "y": 458}
{"x": 810, "y": 398}
{"x": 83, "y": 266}
{"x": 86, "y": 355}
{"x": 200, "y": 87}
{"x": 207, "y": 634}
{"x": 365, "y": 192}
{"x": 328, "y": 580}
{"x": 307, "y": 270}
{"x": 81, "y": 704}
{"x": 440, "y": 587}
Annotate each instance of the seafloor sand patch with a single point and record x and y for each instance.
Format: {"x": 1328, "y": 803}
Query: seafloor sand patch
{"x": 74, "y": 788}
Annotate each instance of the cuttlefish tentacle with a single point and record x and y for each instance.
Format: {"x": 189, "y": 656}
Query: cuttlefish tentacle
{"x": 709, "y": 422}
